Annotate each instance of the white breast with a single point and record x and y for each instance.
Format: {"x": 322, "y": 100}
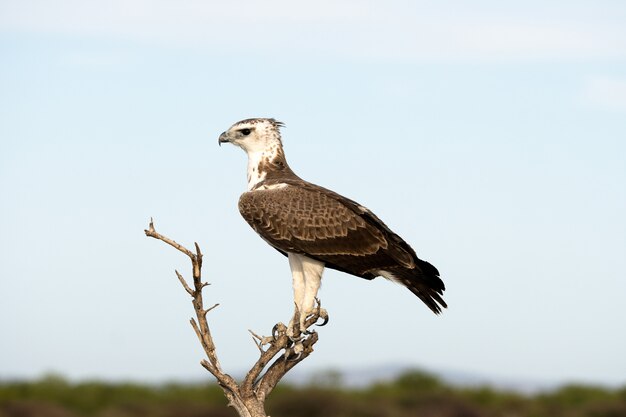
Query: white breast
{"x": 254, "y": 175}
{"x": 255, "y": 158}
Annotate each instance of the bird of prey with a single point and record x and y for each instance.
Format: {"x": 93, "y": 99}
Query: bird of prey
{"x": 317, "y": 228}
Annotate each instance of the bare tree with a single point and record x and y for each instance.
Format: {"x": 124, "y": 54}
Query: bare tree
{"x": 285, "y": 349}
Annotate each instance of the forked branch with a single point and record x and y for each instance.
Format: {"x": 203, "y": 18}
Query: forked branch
{"x": 285, "y": 349}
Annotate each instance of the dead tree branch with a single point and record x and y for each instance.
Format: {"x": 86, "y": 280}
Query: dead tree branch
{"x": 285, "y": 350}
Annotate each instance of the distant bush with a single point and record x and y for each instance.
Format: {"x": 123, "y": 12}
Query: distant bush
{"x": 414, "y": 393}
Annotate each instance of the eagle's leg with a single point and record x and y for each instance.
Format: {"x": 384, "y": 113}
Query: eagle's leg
{"x": 307, "y": 278}
{"x": 299, "y": 287}
{"x": 312, "y": 281}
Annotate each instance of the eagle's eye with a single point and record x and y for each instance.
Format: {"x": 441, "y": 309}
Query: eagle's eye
{"x": 245, "y": 132}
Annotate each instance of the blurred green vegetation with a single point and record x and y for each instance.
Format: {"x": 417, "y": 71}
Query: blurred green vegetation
{"x": 414, "y": 393}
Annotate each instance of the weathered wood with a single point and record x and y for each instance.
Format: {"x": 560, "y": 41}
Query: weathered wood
{"x": 285, "y": 348}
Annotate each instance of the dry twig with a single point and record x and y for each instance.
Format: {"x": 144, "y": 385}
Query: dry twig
{"x": 282, "y": 354}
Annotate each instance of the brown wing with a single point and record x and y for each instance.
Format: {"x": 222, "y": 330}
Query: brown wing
{"x": 307, "y": 219}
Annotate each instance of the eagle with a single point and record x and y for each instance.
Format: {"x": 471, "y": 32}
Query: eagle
{"x": 317, "y": 228}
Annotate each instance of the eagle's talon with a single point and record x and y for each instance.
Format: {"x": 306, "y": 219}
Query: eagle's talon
{"x": 293, "y": 333}
{"x": 288, "y": 358}
{"x": 275, "y": 332}
{"x": 323, "y": 314}
{"x": 297, "y": 349}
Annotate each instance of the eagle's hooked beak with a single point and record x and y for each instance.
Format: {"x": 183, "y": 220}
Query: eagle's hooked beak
{"x": 223, "y": 138}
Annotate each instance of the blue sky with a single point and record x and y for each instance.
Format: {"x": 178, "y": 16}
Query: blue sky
{"x": 490, "y": 136}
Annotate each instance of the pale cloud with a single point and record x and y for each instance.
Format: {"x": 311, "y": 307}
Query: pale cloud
{"x": 606, "y": 93}
{"x": 349, "y": 28}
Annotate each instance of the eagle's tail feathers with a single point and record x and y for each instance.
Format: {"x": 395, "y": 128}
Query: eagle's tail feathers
{"x": 423, "y": 281}
{"x": 429, "y": 296}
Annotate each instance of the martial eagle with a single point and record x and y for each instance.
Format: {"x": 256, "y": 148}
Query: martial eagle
{"x": 317, "y": 228}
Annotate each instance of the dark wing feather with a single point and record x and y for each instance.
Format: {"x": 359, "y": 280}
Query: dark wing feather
{"x": 307, "y": 219}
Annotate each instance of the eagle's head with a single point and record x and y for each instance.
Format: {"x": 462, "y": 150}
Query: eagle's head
{"x": 253, "y": 135}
